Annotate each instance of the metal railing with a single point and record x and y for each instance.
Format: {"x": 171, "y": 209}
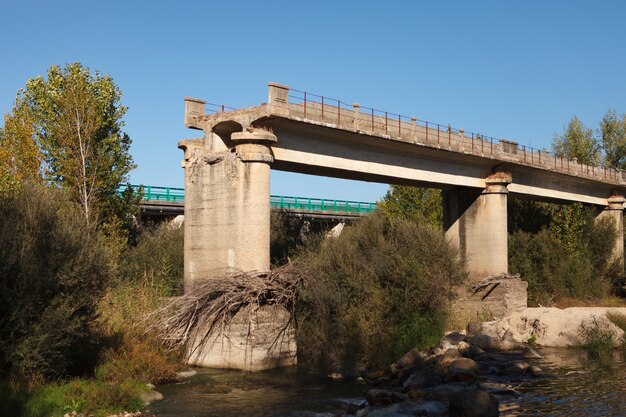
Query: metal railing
{"x": 313, "y": 107}
{"x": 177, "y": 195}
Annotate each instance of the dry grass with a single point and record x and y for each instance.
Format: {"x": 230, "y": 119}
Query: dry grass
{"x": 608, "y": 301}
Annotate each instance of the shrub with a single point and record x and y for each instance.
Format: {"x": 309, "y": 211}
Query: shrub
{"x": 373, "y": 293}
{"x": 53, "y": 269}
{"x": 571, "y": 256}
{"x": 598, "y": 340}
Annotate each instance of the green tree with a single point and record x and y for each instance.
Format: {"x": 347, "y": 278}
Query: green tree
{"x": 413, "y": 203}
{"x": 20, "y": 157}
{"x": 76, "y": 119}
{"x": 577, "y": 141}
{"x": 613, "y": 136}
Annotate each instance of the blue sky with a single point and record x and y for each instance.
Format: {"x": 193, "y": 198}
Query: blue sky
{"x": 517, "y": 70}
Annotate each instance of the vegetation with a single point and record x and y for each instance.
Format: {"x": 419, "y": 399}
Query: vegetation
{"x": 73, "y": 121}
{"x": 570, "y": 255}
{"x": 607, "y": 145}
{"x": 373, "y": 293}
{"x": 414, "y": 203}
{"x": 53, "y": 269}
{"x": 598, "y": 340}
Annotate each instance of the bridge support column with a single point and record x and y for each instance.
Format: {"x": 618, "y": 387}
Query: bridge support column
{"x": 476, "y": 222}
{"x": 227, "y": 229}
{"x": 615, "y": 211}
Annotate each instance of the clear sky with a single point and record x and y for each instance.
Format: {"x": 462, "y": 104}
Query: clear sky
{"x": 512, "y": 69}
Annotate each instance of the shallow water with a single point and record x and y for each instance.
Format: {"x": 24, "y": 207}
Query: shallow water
{"x": 579, "y": 387}
{"x": 278, "y": 393}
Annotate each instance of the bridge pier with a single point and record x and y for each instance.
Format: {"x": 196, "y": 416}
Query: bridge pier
{"x": 227, "y": 229}
{"x": 615, "y": 210}
{"x": 475, "y": 222}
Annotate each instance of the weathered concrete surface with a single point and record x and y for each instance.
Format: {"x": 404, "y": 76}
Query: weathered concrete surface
{"x": 554, "y": 327}
{"x": 494, "y": 301}
{"x": 476, "y": 223}
{"x": 227, "y": 205}
{"x": 255, "y": 339}
{"x": 615, "y": 212}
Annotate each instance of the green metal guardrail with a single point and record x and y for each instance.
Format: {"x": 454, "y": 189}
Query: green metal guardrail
{"x": 177, "y": 195}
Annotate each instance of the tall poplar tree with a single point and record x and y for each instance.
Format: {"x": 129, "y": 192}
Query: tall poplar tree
{"x": 75, "y": 117}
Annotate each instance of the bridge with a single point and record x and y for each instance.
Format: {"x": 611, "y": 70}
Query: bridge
{"x": 227, "y": 181}
{"x": 158, "y": 201}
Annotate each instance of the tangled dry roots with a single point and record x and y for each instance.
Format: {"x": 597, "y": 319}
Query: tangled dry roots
{"x": 213, "y": 303}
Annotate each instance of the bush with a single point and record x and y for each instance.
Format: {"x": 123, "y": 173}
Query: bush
{"x": 571, "y": 256}
{"x": 373, "y": 293}
{"x": 53, "y": 269}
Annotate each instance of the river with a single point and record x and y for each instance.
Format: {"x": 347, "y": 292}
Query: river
{"x": 578, "y": 387}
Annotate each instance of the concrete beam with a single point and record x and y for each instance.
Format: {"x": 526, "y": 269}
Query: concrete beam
{"x": 615, "y": 212}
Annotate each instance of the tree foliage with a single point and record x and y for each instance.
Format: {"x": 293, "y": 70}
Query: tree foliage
{"x": 75, "y": 117}
{"x": 577, "y": 141}
{"x": 613, "y": 138}
{"x": 53, "y": 269}
{"x": 414, "y": 203}
{"x": 20, "y": 156}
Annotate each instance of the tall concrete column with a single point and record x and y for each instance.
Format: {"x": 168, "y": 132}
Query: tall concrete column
{"x": 476, "y": 222}
{"x": 227, "y": 205}
{"x": 615, "y": 211}
{"x": 227, "y": 229}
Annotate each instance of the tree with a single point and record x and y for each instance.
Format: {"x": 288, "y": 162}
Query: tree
{"x": 76, "y": 119}
{"x": 414, "y": 203}
{"x": 613, "y": 137}
{"x": 577, "y": 142}
{"x": 20, "y": 157}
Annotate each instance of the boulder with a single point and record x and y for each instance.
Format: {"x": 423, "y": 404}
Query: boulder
{"x": 473, "y": 328}
{"x": 531, "y": 353}
{"x": 463, "y": 364}
{"x": 473, "y": 403}
{"x": 486, "y": 342}
{"x": 151, "y": 396}
{"x": 384, "y": 397}
{"x": 411, "y": 358}
{"x": 448, "y": 357}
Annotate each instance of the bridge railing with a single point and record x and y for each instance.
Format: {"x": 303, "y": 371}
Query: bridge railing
{"x": 395, "y": 126}
{"x": 318, "y": 204}
{"x": 177, "y": 195}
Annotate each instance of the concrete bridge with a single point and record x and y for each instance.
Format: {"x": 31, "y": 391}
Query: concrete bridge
{"x": 227, "y": 175}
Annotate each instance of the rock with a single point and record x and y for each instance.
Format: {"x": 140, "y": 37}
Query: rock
{"x": 473, "y": 328}
{"x": 384, "y": 397}
{"x": 473, "y": 403}
{"x": 415, "y": 394}
{"x": 373, "y": 375}
{"x": 352, "y": 408}
{"x": 405, "y": 409}
{"x": 508, "y": 342}
{"x": 473, "y": 351}
{"x": 486, "y": 342}
{"x": 463, "y": 364}
{"x": 422, "y": 380}
{"x": 462, "y": 346}
{"x": 531, "y": 353}
{"x": 448, "y": 357}
{"x": 461, "y": 375}
{"x": 444, "y": 391}
{"x": 151, "y": 396}
{"x": 186, "y": 374}
{"x": 412, "y": 357}
{"x": 335, "y": 376}
{"x": 517, "y": 368}
{"x": 536, "y": 371}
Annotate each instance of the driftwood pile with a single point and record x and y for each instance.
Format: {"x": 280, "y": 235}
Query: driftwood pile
{"x": 213, "y": 303}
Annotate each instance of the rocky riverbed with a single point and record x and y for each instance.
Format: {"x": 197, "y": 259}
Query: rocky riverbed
{"x": 465, "y": 376}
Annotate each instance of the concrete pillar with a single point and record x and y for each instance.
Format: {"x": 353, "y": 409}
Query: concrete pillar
{"x": 475, "y": 221}
{"x": 615, "y": 210}
{"x": 227, "y": 205}
{"x": 227, "y": 228}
